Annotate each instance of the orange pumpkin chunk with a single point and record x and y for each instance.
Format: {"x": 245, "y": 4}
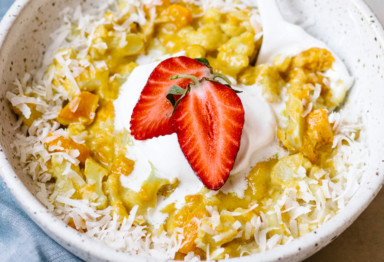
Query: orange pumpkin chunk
{"x": 56, "y": 143}
{"x": 122, "y": 165}
{"x": 314, "y": 59}
{"x": 179, "y": 15}
{"x": 188, "y": 218}
{"x": 80, "y": 110}
{"x": 319, "y": 133}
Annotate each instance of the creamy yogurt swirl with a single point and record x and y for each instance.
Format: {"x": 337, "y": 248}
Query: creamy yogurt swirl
{"x": 163, "y": 155}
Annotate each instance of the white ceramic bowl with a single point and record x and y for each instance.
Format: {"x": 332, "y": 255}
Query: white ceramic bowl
{"x": 347, "y": 26}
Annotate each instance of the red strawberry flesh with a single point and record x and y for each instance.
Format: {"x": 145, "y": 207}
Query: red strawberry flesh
{"x": 150, "y": 117}
{"x": 209, "y": 123}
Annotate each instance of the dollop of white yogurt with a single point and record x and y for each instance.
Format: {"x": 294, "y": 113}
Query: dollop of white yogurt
{"x": 163, "y": 155}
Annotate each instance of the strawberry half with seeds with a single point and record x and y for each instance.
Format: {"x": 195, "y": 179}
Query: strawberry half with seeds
{"x": 209, "y": 122}
{"x": 151, "y": 115}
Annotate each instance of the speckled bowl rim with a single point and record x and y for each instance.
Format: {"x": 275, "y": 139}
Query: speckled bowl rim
{"x": 90, "y": 249}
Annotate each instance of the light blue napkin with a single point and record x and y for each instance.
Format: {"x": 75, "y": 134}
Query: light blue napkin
{"x": 20, "y": 238}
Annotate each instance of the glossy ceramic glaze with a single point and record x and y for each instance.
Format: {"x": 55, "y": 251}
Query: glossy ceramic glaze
{"x": 347, "y": 26}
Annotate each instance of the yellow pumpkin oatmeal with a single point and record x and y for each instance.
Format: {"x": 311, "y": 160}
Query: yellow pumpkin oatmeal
{"x": 154, "y": 129}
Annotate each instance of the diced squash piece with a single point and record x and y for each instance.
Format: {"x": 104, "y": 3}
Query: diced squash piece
{"x": 270, "y": 80}
{"x": 188, "y": 218}
{"x": 126, "y": 68}
{"x": 166, "y": 190}
{"x": 179, "y": 15}
{"x": 105, "y": 88}
{"x": 99, "y": 46}
{"x": 318, "y": 127}
{"x": 237, "y": 22}
{"x": 248, "y": 76}
{"x": 229, "y": 201}
{"x": 314, "y": 59}
{"x": 165, "y": 3}
{"x": 81, "y": 109}
{"x": 122, "y": 140}
{"x": 147, "y": 195}
{"x": 117, "y": 82}
{"x": 224, "y": 233}
{"x": 68, "y": 177}
{"x": 292, "y": 135}
{"x": 289, "y": 170}
{"x": 235, "y": 54}
{"x": 147, "y": 31}
{"x": 95, "y": 174}
{"x": 229, "y": 229}
{"x": 58, "y": 143}
{"x": 122, "y": 165}
{"x": 282, "y": 63}
{"x": 179, "y": 256}
{"x": 318, "y": 133}
{"x": 307, "y": 69}
{"x": 112, "y": 189}
{"x": 76, "y": 129}
{"x": 135, "y": 45}
{"x": 299, "y": 85}
{"x": 101, "y": 31}
{"x": 212, "y": 15}
{"x": 195, "y": 51}
{"x": 101, "y": 139}
{"x": 173, "y": 43}
{"x": 242, "y": 45}
{"x": 210, "y": 36}
{"x": 258, "y": 180}
{"x": 97, "y": 79}
{"x": 126, "y": 45}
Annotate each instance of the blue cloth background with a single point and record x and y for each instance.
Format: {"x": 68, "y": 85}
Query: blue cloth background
{"x": 20, "y": 238}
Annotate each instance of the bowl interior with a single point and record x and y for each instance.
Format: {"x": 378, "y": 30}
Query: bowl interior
{"x": 348, "y": 27}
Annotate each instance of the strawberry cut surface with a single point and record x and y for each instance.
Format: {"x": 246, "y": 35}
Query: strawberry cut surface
{"x": 209, "y": 123}
{"x": 151, "y": 115}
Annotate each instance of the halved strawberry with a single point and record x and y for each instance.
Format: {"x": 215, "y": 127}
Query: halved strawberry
{"x": 209, "y": 121}
{"x": 150, "y": 117}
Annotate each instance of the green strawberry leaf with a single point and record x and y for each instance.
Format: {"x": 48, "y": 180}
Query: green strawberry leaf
{"x": 204, "y": 61}
{"x": 176, "y": 90}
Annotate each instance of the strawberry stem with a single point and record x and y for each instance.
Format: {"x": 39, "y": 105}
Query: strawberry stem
{"x": 222, "y": 76}
{"x": 193, "y": 78}
{"x": 226, "y": 79}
